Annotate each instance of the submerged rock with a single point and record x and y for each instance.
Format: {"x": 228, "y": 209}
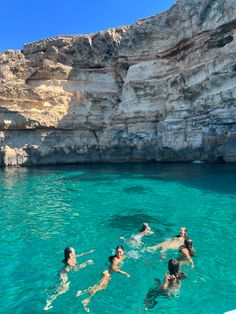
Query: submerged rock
{"x": 162, "y": 89}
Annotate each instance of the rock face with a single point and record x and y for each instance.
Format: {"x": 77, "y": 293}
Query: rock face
{"x": 162, "y": 89}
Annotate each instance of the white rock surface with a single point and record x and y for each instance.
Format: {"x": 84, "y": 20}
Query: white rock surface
{"x": 162, "y": 89}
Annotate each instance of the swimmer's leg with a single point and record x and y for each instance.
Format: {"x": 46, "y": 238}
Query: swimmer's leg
{"x": 85, "y": 303}
{"x": 153, "y": 293}
{"x": 63, "y": 288}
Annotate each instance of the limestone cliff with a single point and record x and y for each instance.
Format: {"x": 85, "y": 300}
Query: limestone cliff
{"x": 162, "y": 89}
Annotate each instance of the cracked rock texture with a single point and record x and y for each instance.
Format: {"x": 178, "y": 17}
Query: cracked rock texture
{"x": 162, "y": 89}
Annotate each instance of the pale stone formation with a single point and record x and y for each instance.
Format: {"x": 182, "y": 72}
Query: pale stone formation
{"x": 162, "y": 89}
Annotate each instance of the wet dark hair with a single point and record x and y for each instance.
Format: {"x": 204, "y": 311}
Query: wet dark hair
{"x": 144, "y": 227}
{"x": 67, "y": 252}
{"x": 173, "y": 266}
{"x": 113, "y": 256}
{"x": 188, "y": 243}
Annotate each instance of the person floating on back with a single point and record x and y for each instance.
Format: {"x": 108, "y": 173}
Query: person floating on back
{"x": 170, "y": 244}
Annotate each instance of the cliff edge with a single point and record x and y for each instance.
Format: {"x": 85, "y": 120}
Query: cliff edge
{"x": 162, "y": 89}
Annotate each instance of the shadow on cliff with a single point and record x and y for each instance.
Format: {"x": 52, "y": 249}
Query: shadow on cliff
{"x": 90, "y": 110}
{"x": 18, "y": 140}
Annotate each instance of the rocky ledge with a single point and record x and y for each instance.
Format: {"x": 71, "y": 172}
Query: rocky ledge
{"x": 162, "y": 89}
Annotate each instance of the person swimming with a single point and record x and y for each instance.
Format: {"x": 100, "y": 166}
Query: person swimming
{"x": 69, "y": 262}
{"x": 144, "y": 231}
{"x": 114, "y": 260}
{"x": 170, "y": 244}
{"x": 117, "y": 259}
{"x": 171, "y": 283}
{"x": 187, "y": 251}
{"x": 136, "y": 240}
{"x": 172, "y": 280}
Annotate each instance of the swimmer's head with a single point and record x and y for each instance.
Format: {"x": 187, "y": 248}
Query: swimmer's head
{"x": 145, "y": 226}
{"x": 173, "y": 266}
{"x": 183, "y": 231}
{"x": 69, "y": 252}
{"x": 120, "y": 251}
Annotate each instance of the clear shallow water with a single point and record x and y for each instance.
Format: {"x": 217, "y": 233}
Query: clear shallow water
{"x": 43, "y": 210}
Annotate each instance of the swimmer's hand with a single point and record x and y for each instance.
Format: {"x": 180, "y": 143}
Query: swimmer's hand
{"x": 171, "y": 277}
{"x": 91, "y": 251}
{"x": 123, "y": 272}
{"x": 89, "y": 262}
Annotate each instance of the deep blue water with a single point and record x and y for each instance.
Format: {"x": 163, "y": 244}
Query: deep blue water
{"x": 44, "y": 210}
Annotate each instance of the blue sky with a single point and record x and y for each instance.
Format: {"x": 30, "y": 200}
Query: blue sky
{"x": 23, "y": 21}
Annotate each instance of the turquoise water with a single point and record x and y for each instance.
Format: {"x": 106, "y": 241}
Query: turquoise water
{"x": 44, "y": 210}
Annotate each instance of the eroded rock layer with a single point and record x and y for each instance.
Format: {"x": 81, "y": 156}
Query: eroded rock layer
{"x": 162, "y": 89}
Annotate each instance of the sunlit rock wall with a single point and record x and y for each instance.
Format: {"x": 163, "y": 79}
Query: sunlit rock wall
{"x": 162, "y": 89}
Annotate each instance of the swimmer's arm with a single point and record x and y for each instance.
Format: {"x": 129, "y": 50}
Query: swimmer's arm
{"x": 188, "y": 257}
{"x": 166, "y": 282}
{"x": 82, "y": 254}
{"x": 83, "y": 265}
{"x": 115, "y": 268}
{"x": 122, "y": 272}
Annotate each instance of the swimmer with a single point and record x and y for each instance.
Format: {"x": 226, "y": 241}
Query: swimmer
{"x": 70, "y": 260}
{"x": 70, "y": 264}
{"x": 114, "y": 260}
{"x": 172, "y": 280}
{"x": 144, "y": 231}
{"x": 117, "y": 259}
{"x": 187, "y": 251}
{"x": 170, "y": 244}
{"x": 136, "y": 240}
{"x": 171, "y": 284}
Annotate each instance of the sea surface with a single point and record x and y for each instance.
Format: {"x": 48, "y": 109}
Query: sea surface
{"x": 45, "y": 209}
